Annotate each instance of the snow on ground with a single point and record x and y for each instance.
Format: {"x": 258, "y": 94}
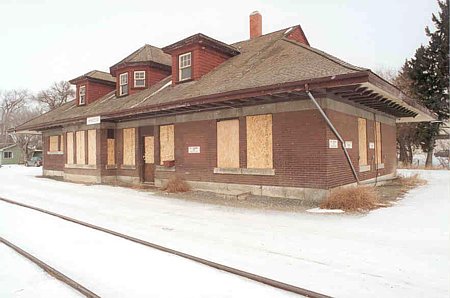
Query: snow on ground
{"x": 113, "y": 267}
{"x": 319, "y": 210}
{"x": 401, "y": 251}
{"x": 19, "y": 277}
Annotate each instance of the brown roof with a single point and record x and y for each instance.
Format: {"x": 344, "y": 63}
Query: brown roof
{"x": 147, "y": 53}
{"x": 270, "y": 61}
{"x": 95, "y": 74}
{"x": 204, "y": 39}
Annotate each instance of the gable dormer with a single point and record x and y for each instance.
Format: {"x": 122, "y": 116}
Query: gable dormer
{"x": 92, "y": 85}
{"x": 197, "y": 55}
{"x": 140, "y": 70}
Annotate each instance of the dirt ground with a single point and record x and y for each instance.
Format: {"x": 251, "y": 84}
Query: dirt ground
{"x": 388, "y": 193}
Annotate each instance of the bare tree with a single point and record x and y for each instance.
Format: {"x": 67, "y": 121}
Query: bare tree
{"x": 11, "y": 102}
{"x": 26, "y": 141}
{"x": 58, "y": 94}
{"x": 389, "y": 74}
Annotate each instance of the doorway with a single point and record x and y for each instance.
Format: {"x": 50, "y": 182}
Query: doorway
{"x": 149, "y": 158}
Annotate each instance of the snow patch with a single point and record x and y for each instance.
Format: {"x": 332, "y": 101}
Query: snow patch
{"x": 319, "y": 210}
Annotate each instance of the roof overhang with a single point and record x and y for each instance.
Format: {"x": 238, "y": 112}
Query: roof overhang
{"x": 361, "y": 88}
{"x": 203, "y": 40}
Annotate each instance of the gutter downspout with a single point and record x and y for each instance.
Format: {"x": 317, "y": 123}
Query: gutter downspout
{"x": 334, "y": 131}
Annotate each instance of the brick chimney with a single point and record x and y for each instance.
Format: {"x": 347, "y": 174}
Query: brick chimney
{"x": 255, "y": 24}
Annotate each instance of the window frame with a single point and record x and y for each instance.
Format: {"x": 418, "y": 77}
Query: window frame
{"x": 82, "y": 95}
{"x": 121, "y": 85}
{"x": 181, "y": 68}
{"x": 136, "y": 72}
{"x": 11, "y": 155}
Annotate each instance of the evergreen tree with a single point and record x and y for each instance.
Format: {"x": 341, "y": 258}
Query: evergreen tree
{"x": 429, "y": 72}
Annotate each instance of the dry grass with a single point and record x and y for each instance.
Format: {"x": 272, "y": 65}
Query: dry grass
{"x": 355, "y": 198}
{"x": 411, "y": 181}
{"x": 176, "y": 184}
{"x": 420, "y": 167}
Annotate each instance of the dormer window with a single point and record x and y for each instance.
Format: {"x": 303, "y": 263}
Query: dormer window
{"x": 185, "y": 66}
{"x": 123, "y": 84}
{"x": 139, "y": 79}
{"x": 82, "y": 95}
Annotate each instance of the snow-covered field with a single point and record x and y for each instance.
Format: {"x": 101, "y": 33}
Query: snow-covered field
{"x": 401, "y": 251}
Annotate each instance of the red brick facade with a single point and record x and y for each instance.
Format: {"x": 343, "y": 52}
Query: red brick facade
{"x": 301, "y": 157}
{"x": 203, "y": 60}
{"x": 94, "y": 90}
{"x": 152, "y": 76}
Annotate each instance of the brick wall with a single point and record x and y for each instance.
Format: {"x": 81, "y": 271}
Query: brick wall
{"x": 54, "y": 162}
{"x": 204, "y": 60}
{"x": 94, "y": 90}
{"x": 297, "y": 35}
{"x": 338, "y": 169}
{"x": 298, "y": 152}
{"x": 152, "y": 76}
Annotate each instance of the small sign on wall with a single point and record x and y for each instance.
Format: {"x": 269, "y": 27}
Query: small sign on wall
{"x": 93, "y": 120}
{"x": 371, "y": 145}
{"x": 348, "y": 144}
{"x": 332, "y": 143}
{"x": 194, "y": 149}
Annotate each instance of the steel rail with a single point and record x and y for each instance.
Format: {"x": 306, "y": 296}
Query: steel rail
{"x": 258, "y": 278}
{"x": 52, "y": 271}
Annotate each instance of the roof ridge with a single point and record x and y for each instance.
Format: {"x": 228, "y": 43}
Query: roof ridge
{"x": 326, "y": 55}
{"x": 262, "y": 35}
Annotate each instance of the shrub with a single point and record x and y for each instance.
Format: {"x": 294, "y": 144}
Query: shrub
{"x": 354, "y": 198}
{"x": 411, "y": 181}
{"x": 176, "y": 184}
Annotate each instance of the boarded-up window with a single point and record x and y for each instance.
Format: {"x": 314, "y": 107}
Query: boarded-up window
{"x": 129, "y": 146}
{"x": 149, "y": 150}
{"x": 54, "y": 144}
{"x": 92, "y": 147}
{"x": 70, "y": 148}
{"x": 111, "y": 152}
{"x": 61, "y": 143}
{"x": 362, "y": 137}
{"x": 378, "y": 142}
{"x": 259, "y": 142}
{"x": 80, "y": 138}
{"x": 228, "y": 144}
{"x": 166, "y": 143}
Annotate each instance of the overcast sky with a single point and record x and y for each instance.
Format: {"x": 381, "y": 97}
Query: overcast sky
{"x": 46, "y": 41}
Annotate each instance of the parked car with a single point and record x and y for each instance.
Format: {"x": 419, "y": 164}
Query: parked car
{"x": 35, "y": 161}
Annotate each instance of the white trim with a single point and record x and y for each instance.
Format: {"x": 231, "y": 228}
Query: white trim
{"x": 80, "y": 94}
{"x": 123, "y": 83}
{"x": 245, "y": 171}
{"x": 12, "y": 155}
{"x": 364, "y": 168}
{"x": 55, "y": 152}
{"x": 138, "y": 72}
{"x": 180, "y": 67}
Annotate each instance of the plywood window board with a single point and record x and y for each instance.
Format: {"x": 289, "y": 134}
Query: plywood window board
{"x": 53, "y": 144}
{"x": 259, "y": 142}
{"x": 70, "y": 148}
{"x": 362, "y": 138}
{"x": 228, "y": 144}
{"x": 149, "y": 154}
{"x": 80, "y": 139}
{"x": 92, "y": 147}
{"x": 129, "y": 146}
{"x": 167, "y": 143}
{"x": 61, "y": 143}
{"x": 378, "y": 142}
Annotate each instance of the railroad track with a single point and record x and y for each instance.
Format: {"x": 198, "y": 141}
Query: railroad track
{"x": 235, "y": 271}
{"x": 52, "y": 271}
